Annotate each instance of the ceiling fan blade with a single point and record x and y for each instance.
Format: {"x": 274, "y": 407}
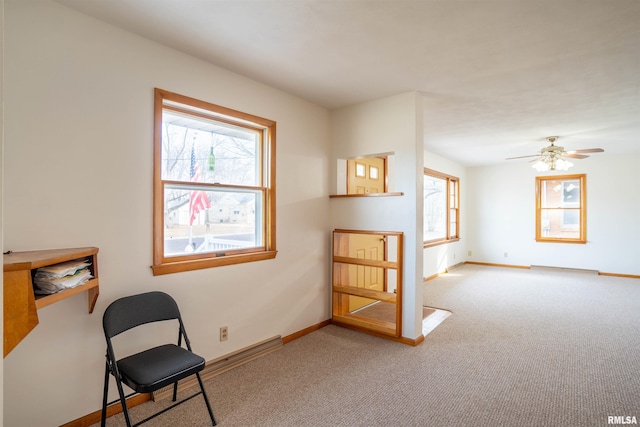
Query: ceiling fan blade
{"x": 587, "y": 150}
{"x": 574, "y": 156}
{"x": 522, "y": 157}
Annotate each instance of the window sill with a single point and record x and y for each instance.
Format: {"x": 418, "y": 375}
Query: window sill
{"x": 199, "y": 264}
{"x": 578, "y": 241}
{"x": 439, "y": 242}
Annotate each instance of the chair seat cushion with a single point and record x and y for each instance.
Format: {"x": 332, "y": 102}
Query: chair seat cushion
{"x": 157, "y": 367}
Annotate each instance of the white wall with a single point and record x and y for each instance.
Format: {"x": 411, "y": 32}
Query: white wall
{"x": 501, "y": 216}
{"x": 1, "y": 187}
{"x": 392, "y": 124}
{"x": 78, "y": 172}
{"x": 437, "y": 259}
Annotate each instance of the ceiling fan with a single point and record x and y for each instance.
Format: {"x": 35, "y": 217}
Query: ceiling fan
{"x": 553, "y": 156}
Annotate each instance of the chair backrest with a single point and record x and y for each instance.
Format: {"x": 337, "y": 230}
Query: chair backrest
{"x": 128, "y": 312}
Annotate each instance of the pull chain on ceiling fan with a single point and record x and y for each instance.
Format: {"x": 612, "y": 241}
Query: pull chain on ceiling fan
{"x": 554, "y": 157}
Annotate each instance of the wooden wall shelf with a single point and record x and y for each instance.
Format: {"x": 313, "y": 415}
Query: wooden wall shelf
{"x": 21, "y": 303}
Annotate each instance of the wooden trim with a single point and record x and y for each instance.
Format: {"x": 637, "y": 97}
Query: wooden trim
{"x": 305, "y": 331}
{"x": 218, "y": 109}
{"x": 441, "y": 175}
{"x": 213, "y": 117}
{"x": 114, "y": 408}
{"x": 340, "y": 294}
{"x": 336, "y": 196}
{"x": 366, "y": 262}
{"x": 45, "y": 300}
{"x": 489, "y": 264}
{"x": 560, "y": 240}
{"x": 212, "y": 186}
{"x": 29, "y": 260}
{"x": 223, "y": 364}
{"x": 377, "y": 232}
{"x": 198, "y": 264}
{"x": 413, "y": 342}
{"x": 445, "y": 271}
{"x": 158, "y": 189}
{"x": 449, "y": 179}
{"x": 628, "y": 276}
{"x": 366, "y": 293}
{"x": 267, "y": 158}
{"x": 582, "y": 208}
{"x": 600, "y": 273}
{"x": 404, "y": 340}
{"x": 381, "y": 327}
{"x": 431, "y": 243}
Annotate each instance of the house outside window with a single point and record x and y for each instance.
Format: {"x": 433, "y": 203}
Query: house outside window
{"x": 441, "y": 215}
{"x": 214, "y": 185}
{"x": 561, "y": 209}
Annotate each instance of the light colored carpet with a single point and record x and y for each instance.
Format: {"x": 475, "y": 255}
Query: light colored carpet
{"x": 522, "y": 348}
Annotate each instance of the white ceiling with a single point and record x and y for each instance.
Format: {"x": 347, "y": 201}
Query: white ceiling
{"x": 497, "y": 76}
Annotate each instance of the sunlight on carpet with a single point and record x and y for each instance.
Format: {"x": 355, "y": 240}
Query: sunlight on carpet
{"x": 433, "y": 318}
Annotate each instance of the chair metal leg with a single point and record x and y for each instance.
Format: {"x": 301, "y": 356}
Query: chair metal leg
{"x": 123, "y": 402}
{"x": 206, "y": 399}
{"x": 103, "y": 418}
{"x": 175, "y": 391}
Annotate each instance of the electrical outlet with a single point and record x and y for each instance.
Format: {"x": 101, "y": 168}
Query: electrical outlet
{"x": 469, "y": 253}
{"x": 506, "y": 254}
{"x": 224, "y": 333}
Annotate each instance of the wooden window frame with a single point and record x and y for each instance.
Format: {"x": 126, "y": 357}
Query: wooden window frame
{"x": 175, "y": 264}
{"x": 449, "y": 237}
{"x": 582, "y": 208}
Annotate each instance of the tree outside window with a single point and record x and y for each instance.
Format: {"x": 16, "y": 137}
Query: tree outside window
{"x": 214, "y": 185}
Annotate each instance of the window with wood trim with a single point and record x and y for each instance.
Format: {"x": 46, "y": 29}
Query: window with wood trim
{"x": 441, "y": 216}
{"x": 214, "y": 185}
{"x": 561, "y": 209}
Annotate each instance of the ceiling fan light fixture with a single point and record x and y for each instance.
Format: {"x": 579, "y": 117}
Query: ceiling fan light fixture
{"x": 563, "y": 165}
{"x": 540, "y": 166}
{"x": 550, "y": 158}
{"x": 551, "y": 161}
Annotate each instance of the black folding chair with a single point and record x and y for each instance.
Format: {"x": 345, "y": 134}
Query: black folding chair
{"x": 151, "y": 369}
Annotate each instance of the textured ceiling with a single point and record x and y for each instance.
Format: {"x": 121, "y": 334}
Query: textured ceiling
{"x": 497, "y": 76}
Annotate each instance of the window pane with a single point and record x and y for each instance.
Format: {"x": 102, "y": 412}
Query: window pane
{"x": 435, "y": 208}
{"x": 453, "y": 193}
{"x": 200, "y": 221}
{"x": 204, "y": 150}
{"x": 571, "y": 193}
{"x": 551, "y": 196}
{"x": 553, "y": 223}
{"x": 571, "y": 218}
{"x": 560, "y": 209}
{"x": 453, "y": 226}
{"x": 560, "y": 193}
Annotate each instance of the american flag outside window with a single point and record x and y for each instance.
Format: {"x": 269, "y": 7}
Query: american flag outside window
{"x": 198, "y": 199}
